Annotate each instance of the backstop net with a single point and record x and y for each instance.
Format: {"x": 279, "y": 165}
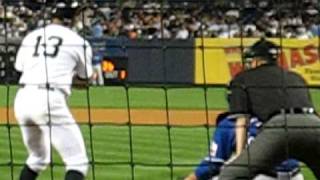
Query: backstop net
{"x": 163, "y": 69}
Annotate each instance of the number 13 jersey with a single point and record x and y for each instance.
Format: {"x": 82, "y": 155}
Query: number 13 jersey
{"x": 53, "y": 54}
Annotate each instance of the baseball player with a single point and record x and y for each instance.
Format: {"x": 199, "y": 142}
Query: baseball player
{"x": 49, "y": 58}
{"x": 222, "y": 146}
{"x": 281, "y": 100}
{"x": 98, "y": 55}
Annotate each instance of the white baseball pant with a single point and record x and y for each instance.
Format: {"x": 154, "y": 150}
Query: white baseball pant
{"x": 35, "y": 109}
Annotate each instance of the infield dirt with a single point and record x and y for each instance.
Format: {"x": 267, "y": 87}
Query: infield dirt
{"x": 135, "y": 116}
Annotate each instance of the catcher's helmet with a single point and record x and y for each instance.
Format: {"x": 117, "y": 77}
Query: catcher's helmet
{"x": 266, "y": 51}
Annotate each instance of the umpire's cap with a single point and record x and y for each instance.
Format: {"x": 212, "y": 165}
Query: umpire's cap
{"x": 266, "y": 51}
{"x": 64, "y": 10}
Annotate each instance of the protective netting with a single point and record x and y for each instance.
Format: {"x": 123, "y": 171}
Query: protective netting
{"x": 164, "y": 70}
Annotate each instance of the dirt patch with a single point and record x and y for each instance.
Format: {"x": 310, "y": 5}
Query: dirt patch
{"x": 135, "y": 116}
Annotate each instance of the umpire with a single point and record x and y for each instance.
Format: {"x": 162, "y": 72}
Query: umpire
{"x": 281, "y": 100}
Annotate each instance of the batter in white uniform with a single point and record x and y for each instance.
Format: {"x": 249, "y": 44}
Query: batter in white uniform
{"x": 49, "y": 58}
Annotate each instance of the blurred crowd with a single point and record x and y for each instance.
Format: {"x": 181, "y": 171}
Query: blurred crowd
{"x": 173, "y": 19}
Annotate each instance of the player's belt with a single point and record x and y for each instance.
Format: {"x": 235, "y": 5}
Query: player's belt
{"x": 47, "y": 87}
{"x": 304, "y": 110}
{"x": 44, "y": 86}
{"x": 275, "y": 174}
{"x": 41, "y": 86}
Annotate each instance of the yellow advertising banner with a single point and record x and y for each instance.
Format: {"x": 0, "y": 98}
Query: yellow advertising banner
{"x": 218, "y": 60}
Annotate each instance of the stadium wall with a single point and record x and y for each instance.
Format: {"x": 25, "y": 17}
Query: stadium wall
{"x": 159, "y": 61}
{"x": 199, "y": 61}
{"x": 220, "y": 59}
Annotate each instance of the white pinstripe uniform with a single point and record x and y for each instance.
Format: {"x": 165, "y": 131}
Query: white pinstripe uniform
{"x": 53, "y": 55}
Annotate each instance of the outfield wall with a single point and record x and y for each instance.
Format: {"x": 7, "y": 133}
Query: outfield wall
{"x": 221, "y": 59}
{"x": 193, "y": 61}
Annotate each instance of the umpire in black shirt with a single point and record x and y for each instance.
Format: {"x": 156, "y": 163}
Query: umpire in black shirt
{"x": 281, "y": 100}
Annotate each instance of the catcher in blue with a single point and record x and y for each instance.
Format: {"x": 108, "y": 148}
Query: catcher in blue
{"x": 223, "y": 145}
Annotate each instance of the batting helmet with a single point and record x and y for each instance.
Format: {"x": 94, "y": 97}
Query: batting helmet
{"x": 266, "y": 51}
{"x": 65, "y": 10}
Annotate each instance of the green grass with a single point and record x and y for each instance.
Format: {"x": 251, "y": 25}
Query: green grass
{"x": 111, "y": 144}
{"x": 118, "y": 97}
{"x": 111, "y": 150}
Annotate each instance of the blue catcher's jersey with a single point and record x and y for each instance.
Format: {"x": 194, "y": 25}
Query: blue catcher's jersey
{"x": 223, "y": 145}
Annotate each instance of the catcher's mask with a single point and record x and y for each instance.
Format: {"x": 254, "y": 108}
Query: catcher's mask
{"x": 262, "y": 50}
